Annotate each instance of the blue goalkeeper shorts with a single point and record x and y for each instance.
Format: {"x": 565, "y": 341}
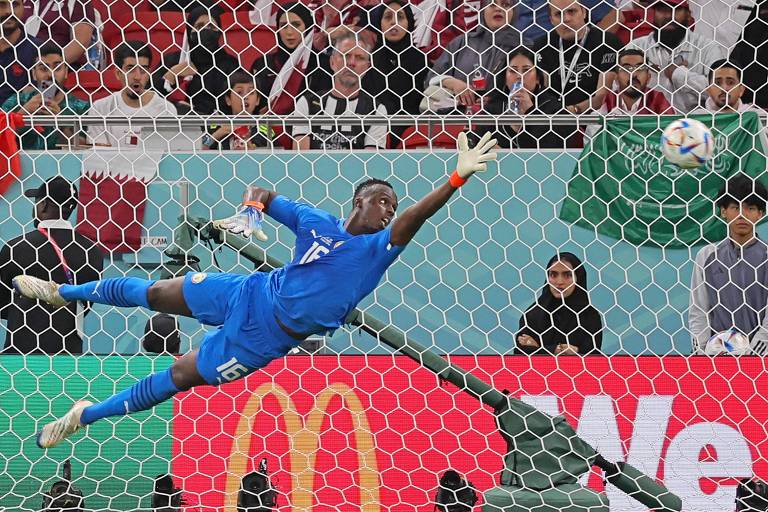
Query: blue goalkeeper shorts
{"x": 247, "y": 337}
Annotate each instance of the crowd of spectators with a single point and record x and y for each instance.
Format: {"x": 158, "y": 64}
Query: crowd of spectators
{"x": 373, "y": 57}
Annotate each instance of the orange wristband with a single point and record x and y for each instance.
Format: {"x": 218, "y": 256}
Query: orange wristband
{"x": 256, "y": 204}
{"x": 456, "y": 181}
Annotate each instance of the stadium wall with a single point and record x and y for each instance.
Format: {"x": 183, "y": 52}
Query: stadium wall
{"x": 464, "y": 281}
{"x": 122, "y": 457}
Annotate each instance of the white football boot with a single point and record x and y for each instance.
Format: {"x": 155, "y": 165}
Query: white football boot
{"x": 56, "y": 431}
{"x": 34, "y": 288}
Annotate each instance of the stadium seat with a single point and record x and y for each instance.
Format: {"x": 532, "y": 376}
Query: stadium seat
{"x": 426, "y": 136}
{"x": 236, "y": 5}
{"x": 93, "y": 85}
{"x": 110, "y": 10}
{"x": 245, "y": 40}
{"x": 163, "y": 30}
{"x": 282, "y": 138}
{"x": 635, "y": 24}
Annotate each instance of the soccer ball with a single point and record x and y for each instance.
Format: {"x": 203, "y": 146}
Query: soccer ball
{"x": 687, "y": 143}
{"x": 731, "y": 342}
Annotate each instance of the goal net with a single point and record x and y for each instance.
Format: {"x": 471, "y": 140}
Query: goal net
{"x": 583, "y": 274}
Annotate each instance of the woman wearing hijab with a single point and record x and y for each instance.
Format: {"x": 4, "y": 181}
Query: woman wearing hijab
{"x": 532, "y": 96}
{"x": 209, "y": 64}
{"x": 472, "y": 60}
{"x": 398, "y": 67}
{"x": 562, "y": 321}
{"x": 294, "y": 22}
{"x": 752, "y": 49}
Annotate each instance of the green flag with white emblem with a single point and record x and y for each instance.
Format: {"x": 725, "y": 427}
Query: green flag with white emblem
{"x": 624, "y": 188}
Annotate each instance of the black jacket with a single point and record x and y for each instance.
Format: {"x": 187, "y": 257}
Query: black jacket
{"x": 751, "y": 53}
{"x": 553, "y": 321}
{"x": 33, "y": 327}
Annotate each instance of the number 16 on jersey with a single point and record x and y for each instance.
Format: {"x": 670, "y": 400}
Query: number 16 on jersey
{"x": 314, "y": 252}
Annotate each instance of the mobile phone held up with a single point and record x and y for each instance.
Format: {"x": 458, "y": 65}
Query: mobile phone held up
{"x": 48, "y": 89}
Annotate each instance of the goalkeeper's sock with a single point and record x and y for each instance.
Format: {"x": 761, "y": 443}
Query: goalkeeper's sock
{"x": 143, "y": 395}
{"x": 118, "y": 291}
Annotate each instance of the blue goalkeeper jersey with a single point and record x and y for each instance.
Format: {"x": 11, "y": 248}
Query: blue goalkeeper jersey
{"x": 331, "y": 272}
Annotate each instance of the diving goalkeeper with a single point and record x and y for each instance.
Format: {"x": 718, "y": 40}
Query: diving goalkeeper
{"x": 260, "y": 317}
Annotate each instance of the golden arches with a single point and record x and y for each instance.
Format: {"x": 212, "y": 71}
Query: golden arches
{"x": 304, "y": 440}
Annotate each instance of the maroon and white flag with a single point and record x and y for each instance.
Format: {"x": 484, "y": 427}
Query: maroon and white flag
{"x": 113, "y": 197}
{"x": 288, "y": 82}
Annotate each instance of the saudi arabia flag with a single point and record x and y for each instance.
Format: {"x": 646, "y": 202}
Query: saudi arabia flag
{"x": 624, "y": 188}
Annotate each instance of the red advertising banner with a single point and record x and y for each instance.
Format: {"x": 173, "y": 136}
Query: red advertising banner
{"x": 374, "y": 433}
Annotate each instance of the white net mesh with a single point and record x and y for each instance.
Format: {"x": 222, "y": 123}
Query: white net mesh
{"x": 582, "y": 274}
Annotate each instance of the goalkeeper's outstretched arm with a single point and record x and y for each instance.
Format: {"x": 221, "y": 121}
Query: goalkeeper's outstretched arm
{"x": 469, "y": 162}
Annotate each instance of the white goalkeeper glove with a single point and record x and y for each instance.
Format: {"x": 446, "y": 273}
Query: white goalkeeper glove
{"x": 474, "y": 160}
{"x": 247, "y": 222}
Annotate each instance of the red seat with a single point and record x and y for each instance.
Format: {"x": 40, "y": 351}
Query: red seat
{"x": 111, "y": 10}
{"x": 236, "y": 5}
{"x": 163, "y": 30}
{"x": 435, "y": 136}
{"x": 245, "y": 40}
{"x": 93, "y": 85}
{"x": 638, "y": 22}
{"x": 282, "y": 138}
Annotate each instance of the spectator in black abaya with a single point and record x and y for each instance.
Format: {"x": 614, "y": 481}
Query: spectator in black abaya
{"x": 562, "y": 321}
{"x": 209, "y": 65}
{"x": 294, "y": 23}
{"x": 399, "y": 68}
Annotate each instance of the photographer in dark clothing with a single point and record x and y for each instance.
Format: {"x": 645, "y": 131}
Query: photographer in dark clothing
{"x": 52, "y": 251}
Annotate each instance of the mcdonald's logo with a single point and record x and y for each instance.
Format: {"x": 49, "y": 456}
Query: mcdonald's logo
{"x": 304, "y": 441}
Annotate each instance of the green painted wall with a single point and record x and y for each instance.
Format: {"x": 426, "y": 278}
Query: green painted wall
{"x": 120, "y": 470}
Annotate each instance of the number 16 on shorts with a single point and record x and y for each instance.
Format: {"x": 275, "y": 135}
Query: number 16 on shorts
{"x": 232, "y": 370}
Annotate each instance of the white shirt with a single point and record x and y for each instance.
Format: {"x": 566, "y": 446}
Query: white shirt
{"x": 720, "y": 20}
{"x": 375, "y": 136}
{"x": 55, "y": 224}
{"x": 710, "y": 107}
{"x": 686, "y": 88}
{"x": 619, "y": 110}
{"x": 123, "y": 136}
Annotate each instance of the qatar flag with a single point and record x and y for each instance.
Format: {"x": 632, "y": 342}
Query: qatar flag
{"x": 113, "y": 197}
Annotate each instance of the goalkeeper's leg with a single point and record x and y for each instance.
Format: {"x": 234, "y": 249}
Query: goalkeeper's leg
{"x": 165, "y": 296}
{"x": 143, "y": 395}
{"x": 248, "y": 339}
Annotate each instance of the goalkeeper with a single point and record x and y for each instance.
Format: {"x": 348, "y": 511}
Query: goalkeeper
{"x": 260, "y": 317}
